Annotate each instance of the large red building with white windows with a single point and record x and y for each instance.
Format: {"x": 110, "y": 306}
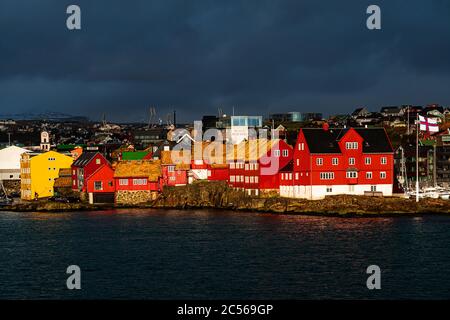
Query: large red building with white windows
{"x": 257, "y": 164}
{"x": 326, "y": 161}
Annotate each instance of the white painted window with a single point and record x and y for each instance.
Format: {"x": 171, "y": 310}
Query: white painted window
{"x": 123, "y": 182}
{"x": 382, "y": 175}
{"x": 301, "y": 146}
{"x": 256, "y": 179}
{"x": 285, "y": 153}
{"x": 373, "y": 188}
{"x": 368, "y": 175}
{"x": 368, "y": 160}
{"x": 252, "y": 179}
{"x": 335, "y": 161}
{"x": 98, "y": 185}
{"x": 171, "y": 168}
{"x": 383, "y": 160}
{"x": 351, "y": 188}
{"x": 97, "y": 161}
{"x": 329, "y": 189}
{"x": 352, "y": 174}
{"x": 319, "y": 161}
{"x": 246, "y": 179}
{"x": 276, "y": 153}
{"x": 326, "y": 175}
{"x": 351, "y": 161}
{"x": 351, "y": 145}
{"x": 296, "y": 175}
{"x": 139, "y": 182}
{"x": 298, "y": 162}
{"x": 246, "y": 166}
{"x": 232, "y": 178}
{"x": 232, "y": 166}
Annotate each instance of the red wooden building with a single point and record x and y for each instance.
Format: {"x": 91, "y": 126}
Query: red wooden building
{"x": 175, "y": 167}
{"x": 100, "y": 185}
{"x": 84, "y": 166}
{"x": 340, "y": 161}
{"x": 217, "y": 160}
{"x": 137, "y": 181}
{"x": 257, "y": 164}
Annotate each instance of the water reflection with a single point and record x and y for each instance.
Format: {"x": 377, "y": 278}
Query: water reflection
{"x": 176, "y": 254}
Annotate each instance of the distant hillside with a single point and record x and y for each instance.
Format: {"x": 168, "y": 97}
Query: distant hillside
{"x": 47, "y": 115}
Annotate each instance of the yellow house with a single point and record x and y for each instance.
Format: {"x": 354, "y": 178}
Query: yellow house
{"x": 38, "y": 172}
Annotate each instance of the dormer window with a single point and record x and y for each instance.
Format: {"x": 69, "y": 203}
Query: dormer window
{"x": 351, "y": 145}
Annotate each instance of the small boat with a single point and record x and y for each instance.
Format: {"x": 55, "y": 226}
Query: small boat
{"x": 445, "y": 196}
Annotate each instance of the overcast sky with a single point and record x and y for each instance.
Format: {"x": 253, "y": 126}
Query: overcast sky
{"x": 261, "y": 56}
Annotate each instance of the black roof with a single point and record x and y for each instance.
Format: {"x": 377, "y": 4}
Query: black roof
{"x": 289, "y": 167}
{"x": 84, "y": 159}
{"x": 375, "y": 140}
{"x": 322, "y": 141}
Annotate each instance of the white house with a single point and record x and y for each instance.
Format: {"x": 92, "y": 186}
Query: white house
{"x": 10, "y": 162}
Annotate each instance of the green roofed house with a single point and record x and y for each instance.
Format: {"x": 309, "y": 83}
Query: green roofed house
{"x": 135, "y": 155}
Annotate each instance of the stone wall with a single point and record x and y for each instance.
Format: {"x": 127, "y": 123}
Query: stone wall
{"x": 11, "y": 186}
{"x": 135, "y": 197}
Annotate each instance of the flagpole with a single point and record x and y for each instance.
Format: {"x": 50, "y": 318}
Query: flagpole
{"x": 417, "y": 158}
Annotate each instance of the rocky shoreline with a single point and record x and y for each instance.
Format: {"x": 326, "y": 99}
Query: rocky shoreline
{"x": 217, "y": 195}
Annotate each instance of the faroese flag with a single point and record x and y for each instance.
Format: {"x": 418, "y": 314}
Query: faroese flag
{"x": 428, "y": 124}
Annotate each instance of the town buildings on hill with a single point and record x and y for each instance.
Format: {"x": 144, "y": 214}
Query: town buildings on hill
{"x": 302, "y": 155}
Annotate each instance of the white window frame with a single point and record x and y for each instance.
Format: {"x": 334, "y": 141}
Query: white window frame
{"x": 351, "y": 145}
{"x": 96, "y": 188}
{"x": 319, "y": 161}
{"x": 383, "y": 175}
{"x": 335, "y": 161}
{"x": 327, "y": 176}
{"x": 351, "y": 174}
{"x": 351, "y": 161}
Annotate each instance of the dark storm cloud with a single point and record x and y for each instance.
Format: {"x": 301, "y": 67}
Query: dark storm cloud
{"x": 197, "y": 55}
